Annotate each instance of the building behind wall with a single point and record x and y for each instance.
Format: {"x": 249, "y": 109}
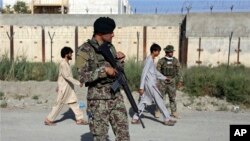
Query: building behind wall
{"x": 99, "y": 7}
{"x": 49, "y": 6}
{"x": 75, "y": 6}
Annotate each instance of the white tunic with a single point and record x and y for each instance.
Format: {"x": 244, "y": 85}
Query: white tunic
{"x": 150, "y": 74}
{"x": 66, "y": 93}
{"x": 151, "y": 93}
{"x": 149, "y": 78}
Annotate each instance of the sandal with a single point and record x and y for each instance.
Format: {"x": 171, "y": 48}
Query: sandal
{"x": 175, "y": 115}
{"x": 49, "y": 123}
{"x": 170, "y": 122}
{"x": 81, "y": 122}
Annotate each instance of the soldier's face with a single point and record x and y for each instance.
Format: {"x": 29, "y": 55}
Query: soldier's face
{"x": 108, "y": 37}
{"x": 170, "y": 54}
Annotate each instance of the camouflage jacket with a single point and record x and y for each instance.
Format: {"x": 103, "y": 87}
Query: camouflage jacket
{"x": 170, "y": 68}
{"x": 90, "y": 65}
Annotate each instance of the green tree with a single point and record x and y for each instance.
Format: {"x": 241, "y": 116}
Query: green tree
{"x": 21, "y": 7}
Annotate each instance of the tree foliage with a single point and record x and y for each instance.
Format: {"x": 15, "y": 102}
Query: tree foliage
{"x": 7, "y": 10}
{"x": 21, "y": 7}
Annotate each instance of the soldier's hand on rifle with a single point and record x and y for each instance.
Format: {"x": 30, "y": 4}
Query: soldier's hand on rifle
{"x": 141, "y": 92}
{"x": 167, "y": 79}
{"x": 120, "y": 56}
{"x": 180, "y": 85}
{"x": 110, "y": 71}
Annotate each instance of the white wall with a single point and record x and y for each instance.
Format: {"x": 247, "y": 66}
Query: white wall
{"x": 4, "y": 41}
{"x": 28, "y": 40}
{"x": 215, "y": 51}
{"x": 98, "y": 6}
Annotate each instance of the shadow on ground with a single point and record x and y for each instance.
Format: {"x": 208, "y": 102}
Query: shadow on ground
{"x": 67, "y": 115}
{"x": 89, "y": 137}
{"x": 150, "y": 109}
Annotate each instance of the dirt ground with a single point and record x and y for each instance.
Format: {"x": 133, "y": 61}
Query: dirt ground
{"x": 202, "y": 119}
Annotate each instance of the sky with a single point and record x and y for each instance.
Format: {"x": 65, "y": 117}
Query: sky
{"x": 1, "y": 3}
{"x": 181, "y": 6}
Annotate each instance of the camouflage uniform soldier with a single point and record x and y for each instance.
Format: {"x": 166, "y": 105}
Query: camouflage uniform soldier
{"x": 170, "y": 67}
{"x": 104, "y": 107}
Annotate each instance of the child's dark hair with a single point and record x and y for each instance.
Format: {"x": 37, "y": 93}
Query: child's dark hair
{"x": 155, "y": 47}
{"x": 66, "y": 50}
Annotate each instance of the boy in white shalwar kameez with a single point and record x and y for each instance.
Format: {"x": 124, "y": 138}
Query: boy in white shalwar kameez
{"x": 148, "y": 89}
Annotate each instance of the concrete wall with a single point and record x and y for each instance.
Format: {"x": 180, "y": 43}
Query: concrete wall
{"x": 125, "y": 40}
{"x": 161, "y": 29}
{"x": 63, "y": 36}
{"x": 27, "y": 43}
{"x": 215, "y": 51}
{"x": 4, "y": 40}
{"x": 214, "y": 31}
{"x": 163, "y": 35}
{"x": 128, "y": 33}
{"x": 88, "y": 20}
{"x": 218, "y": 25}
{"x": 28, "y": 40}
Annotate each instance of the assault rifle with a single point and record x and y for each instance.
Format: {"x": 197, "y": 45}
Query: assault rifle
{"x": 121, "y": 79}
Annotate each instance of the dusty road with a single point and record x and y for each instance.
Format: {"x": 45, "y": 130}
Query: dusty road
{"x": 27, "y": 125}
{"x": 29, "y": 102}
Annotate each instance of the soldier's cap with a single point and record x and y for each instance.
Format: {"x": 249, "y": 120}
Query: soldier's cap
{"x": 169, "y": 48}
{"x": 104, "y": 25}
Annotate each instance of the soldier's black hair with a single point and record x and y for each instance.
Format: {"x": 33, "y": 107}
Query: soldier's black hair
{"x": 155, "y": 47}
{"x": 104, "y": 25}
{"x": 66, "y": 50}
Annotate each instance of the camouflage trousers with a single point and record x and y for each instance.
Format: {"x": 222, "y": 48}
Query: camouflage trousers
{"x": 169, "y": 88}
{"x": 103, "y": 112}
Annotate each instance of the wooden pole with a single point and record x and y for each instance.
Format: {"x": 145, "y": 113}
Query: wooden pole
{"x": 144, "y": 42}
{"x": 229, "y": 49}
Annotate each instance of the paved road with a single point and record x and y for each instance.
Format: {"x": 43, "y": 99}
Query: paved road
{"x": 27, "y": 125}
